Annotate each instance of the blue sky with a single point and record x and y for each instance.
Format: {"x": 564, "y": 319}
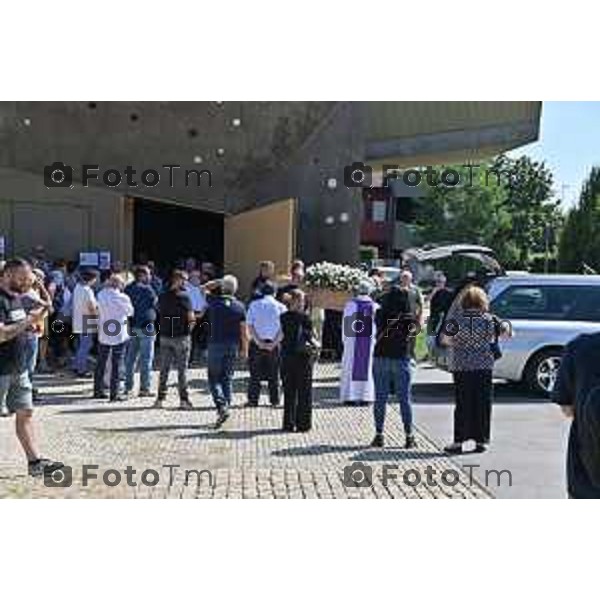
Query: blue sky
{"x": 569, "y": 144}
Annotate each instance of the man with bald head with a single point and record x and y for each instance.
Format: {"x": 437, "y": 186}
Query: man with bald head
{"x": 114, "y": 310}
{"x": 15, "y": 385}
{"x": 415, "y": 298}
{"x": 415, "y": 302}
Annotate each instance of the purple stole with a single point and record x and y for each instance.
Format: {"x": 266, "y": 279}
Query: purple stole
{"x": 362, "y": 344}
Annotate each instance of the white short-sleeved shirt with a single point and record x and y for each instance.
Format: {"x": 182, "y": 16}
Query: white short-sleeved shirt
{"x": 116, "y": 307}
{"x": 197, "y": 298}
{"x": 83, "y": 295}
{"x": 263, "y": 315}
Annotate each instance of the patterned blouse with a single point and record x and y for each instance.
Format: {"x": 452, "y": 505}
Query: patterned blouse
{"x": 471, "y": 334}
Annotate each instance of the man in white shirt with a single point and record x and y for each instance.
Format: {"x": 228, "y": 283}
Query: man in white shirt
{"x": 114, "y": 309}
{"x": 85, "y": 310}
{"x": 264, "y": 325}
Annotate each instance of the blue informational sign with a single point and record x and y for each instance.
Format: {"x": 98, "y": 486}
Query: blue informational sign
{"x": 88, "y": 259}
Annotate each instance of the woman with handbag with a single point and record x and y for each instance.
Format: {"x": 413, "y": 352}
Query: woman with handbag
{"x": 471, "y": 335}
{"x": 299, "y": 350}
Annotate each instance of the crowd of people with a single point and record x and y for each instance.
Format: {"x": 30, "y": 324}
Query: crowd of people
{"x": 54, "y": 316}
{"x": 63, "y": 313}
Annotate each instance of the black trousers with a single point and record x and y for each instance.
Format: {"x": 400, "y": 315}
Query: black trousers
{"x": 296, "y": 371}
{"x": 263, "y": 365}
{"x": 332, "y": 341}
{"x": 473, "y": 410}
{"x": 61, "y": 341}
{"x": 174, "y": 351}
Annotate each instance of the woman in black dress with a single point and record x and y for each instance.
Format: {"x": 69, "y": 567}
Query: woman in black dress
{"x": 298, "y": 350}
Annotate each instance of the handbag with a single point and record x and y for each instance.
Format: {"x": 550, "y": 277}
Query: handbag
{"x": 495, "y": 345}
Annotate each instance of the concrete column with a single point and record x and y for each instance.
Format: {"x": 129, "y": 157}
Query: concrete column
{"x": 329, "y": 214}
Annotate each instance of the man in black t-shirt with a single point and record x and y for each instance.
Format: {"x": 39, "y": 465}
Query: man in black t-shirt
{"x": 577, "y": 383}
{"x": 176, "y": 321}
{"x": 15, "y": 385}
{"x": 439, "y": 303}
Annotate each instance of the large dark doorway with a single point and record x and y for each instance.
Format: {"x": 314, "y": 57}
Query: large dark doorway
{"x": 166, "y": 233}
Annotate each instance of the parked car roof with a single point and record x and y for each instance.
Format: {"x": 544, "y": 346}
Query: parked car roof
{"x": 438, "y": 252}
{"x": 549, "y": 278}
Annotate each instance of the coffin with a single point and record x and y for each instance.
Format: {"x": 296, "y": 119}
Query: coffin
{"x": 328, "y": 299}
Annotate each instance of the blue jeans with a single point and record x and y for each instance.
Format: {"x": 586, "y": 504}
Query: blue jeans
{"x": 31, "y": 353}
{"x": 117, "y": 353}
{"x": 140, "y": 349}
{"x": 399, "y": 372}
{"x": 221, "y": 361}
{"x": 84, "y": 346}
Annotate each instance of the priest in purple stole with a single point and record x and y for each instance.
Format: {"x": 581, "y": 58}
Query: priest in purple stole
{"x": 359, "y": 335}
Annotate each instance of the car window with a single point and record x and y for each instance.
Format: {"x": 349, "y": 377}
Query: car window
{"x": 587, "y": 304}
{"x": 554, "y": 302}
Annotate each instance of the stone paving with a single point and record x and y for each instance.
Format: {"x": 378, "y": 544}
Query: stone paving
{"x": 250, "y": 457}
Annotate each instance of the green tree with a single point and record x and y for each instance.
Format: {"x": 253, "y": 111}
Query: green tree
{"x": 579, "y": 242}
{"x": 505, "y": 204}
{"x": 529, "y": 202}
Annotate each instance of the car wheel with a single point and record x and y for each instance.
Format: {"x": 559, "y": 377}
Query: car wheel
{"x": 541, "y": 371}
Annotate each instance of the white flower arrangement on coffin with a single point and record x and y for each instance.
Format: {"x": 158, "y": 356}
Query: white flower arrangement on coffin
{"x": 331, "y": 285}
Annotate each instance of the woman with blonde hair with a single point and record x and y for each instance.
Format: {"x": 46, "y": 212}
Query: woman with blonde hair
{"x": 470, "y": 332}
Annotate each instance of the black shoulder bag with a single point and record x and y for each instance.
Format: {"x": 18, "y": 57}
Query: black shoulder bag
{"x": 495, "y": 345}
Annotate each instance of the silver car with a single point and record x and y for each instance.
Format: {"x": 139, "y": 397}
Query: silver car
{"x": 546, "y": 312}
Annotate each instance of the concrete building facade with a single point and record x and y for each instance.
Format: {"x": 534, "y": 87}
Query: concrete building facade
{"x": 258, "y": 154}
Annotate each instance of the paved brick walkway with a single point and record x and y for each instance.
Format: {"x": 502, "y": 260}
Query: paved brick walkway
{"x": 249, "y": 458}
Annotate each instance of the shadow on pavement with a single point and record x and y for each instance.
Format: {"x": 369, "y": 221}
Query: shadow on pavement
{"x": 224, "y": 434}
{"x": 146, "y": 428}
{"x": 362, "y": 453}
{"x": 13, "y": 476}
{"x": 396, "y": 454}
{"x": 106, "y": 409}
{"x": 443, "y": 393}
{"x": 61, "y": 401}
